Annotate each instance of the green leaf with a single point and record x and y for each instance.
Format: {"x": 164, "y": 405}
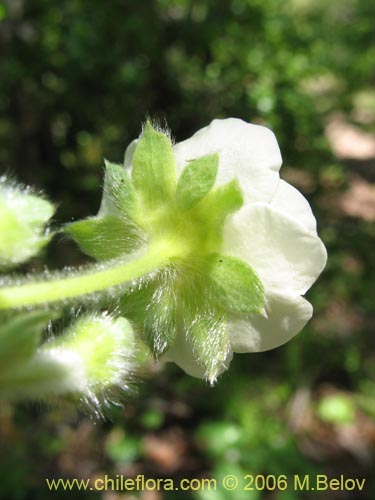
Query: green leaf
{"x": 196, "y": 181}
{"x": 154, "y": 172}
{"x": 234, "y": 284}
{"x": 20, "y": 336}
{"x": 208, "y": 336}
{"x": 118, "y": 192}
{"x": 105, "y": 237}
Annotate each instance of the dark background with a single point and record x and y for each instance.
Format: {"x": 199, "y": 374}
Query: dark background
{"x": 77, "y": 79}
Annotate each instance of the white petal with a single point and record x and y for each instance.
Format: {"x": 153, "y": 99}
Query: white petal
{"x": 289, "y": 200}
{"x": 129, "y": 152}
{"x": 247, "y": 152}
{"x": 181, "y": 353}
{"x": 286, "y": 317}
{"x": 287, "y": 257}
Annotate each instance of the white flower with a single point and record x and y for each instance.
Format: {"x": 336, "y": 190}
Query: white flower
{"x": 274, "y": 232}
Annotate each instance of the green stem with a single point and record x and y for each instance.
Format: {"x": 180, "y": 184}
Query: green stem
{"x": 82, "y": 283}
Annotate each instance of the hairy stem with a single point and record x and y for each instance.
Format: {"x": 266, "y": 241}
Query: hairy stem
{"x": 57, "y": 288}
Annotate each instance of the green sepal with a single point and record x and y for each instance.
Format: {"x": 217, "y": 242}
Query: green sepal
{"x": 221, "y": 202}
{"x": 160, "y": 323}
{"x": 196, "y": 180}
{"x": 211, "y": 212}
{"x": 119, "y": 197}
{"x": 154, "y": 171}
{"x": 208, "y": 336}
{"x": 234, "y": 284}
{"x": 135, "y": 300}
{"x": 105, "y": 237}
{"x": 152, "y": 307}
{"x": 20, "y": 337}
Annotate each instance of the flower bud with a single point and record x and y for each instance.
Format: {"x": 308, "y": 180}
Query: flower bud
{"x": 23, "y": 216}
{"x": 98, "y": 353}
{"x": 93, "y": 360}
{"x": 245, "y": 242}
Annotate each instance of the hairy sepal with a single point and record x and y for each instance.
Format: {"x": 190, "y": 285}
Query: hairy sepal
{"x": 119, "y": 196}
{"x": 160, "y": 324}
{"x": 154, "y": 171}
{"x": 105, "y": 237}
{"x": 152, "y": 306}
{"x": 235, "y": 285}
{"x": 196, "y": 180}
{"x": 221, "y": 202}
{"x": 208, "y": 336}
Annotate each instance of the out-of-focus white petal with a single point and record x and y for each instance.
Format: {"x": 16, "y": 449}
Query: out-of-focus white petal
{"x": 289, "y": 200}
{"x": 181, "y": 353}
{"x": 129, "y": 152}
{"x": 247, "y": 152}
{"x": 286, "y": 316}
{"x": 286, "y": 256}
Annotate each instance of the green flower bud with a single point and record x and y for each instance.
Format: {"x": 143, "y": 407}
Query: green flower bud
{"x": 94, "y": 361}
{"x": 23, "y": 216}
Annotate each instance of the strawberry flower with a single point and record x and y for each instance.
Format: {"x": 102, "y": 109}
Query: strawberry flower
{"x": 235, "y": 247}
{"x": 274, "y": 232}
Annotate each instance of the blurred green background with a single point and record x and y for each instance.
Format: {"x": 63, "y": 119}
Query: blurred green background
{"x": 77, "y": 79}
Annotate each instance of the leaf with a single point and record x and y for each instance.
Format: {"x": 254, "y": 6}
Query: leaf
{"x": 234, "y": 284}
{"x": 20, "y": 336}
{"x": 105, "y": 237}
{"x": 119, "y": 196}
{"x": 208, "y": 336}
{"x": 154, "y": 172}
{"x": 196, "y": 181}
